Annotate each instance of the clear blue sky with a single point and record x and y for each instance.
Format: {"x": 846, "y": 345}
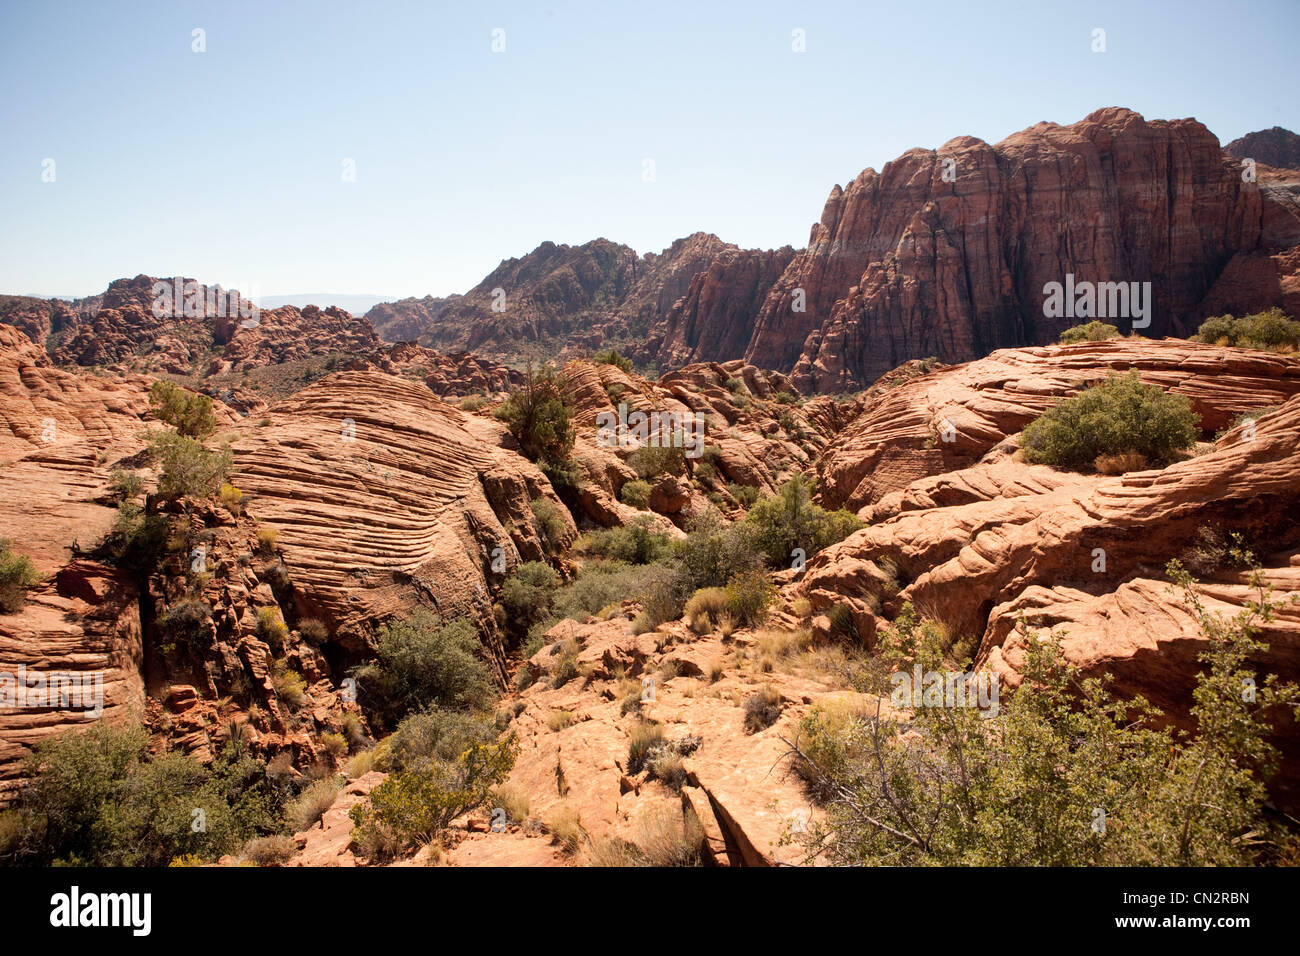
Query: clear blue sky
{"x": 226, "y": 165}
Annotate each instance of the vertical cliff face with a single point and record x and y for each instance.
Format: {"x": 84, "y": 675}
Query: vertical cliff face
{"x": 947, "y": 252}
{"x": 714, "y": 320}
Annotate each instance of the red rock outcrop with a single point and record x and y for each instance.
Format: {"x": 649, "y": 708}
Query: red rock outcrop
{"x": 1276, "y": 147}
{"x": 974, "y": 537}
{"x": 949, "y": 419}
{"x": 946, "y": 252}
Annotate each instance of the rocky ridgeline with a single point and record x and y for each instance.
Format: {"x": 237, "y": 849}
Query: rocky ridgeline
{"x": 942, "y": 253}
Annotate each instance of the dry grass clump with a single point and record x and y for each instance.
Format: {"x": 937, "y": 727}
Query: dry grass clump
{"x": 1120, "y": 463}
{"x": 565, "y": 827}
{"x": 762, "y": 709}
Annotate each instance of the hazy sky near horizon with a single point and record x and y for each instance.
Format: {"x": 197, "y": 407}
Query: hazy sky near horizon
{"x": 228, "y": 165}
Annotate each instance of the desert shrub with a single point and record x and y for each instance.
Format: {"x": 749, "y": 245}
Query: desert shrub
{"x": 745, "y": 495}
{"x": 1119, "y": 415}
{"x": 271, "y": 627}
{"x": 17, "y": 574}
{"x": 417, "y": 805}
{"x": 270, "y": 851}
{"x": 557, "y": 720}
{"x": 705, "y": 607}
{"x": 787, "y": 421}
{"x": 762, "y": 709}
{"x": 268, "y": 538}
{"x": 610, "y": 356}
{"x": 789, "y": 521}
{"x": 185, "y": 622}
{"x": 1125, "y": 461}
{"x": 188, "y": 469}
{"x": 137, "y": 540}
{"x": 1214, "y": 549}
{"x": 438, "y": 734}
{"x": 748, "y": 596}
{"x": 664, "y": 838}
{"x": 734, "y": 385}
{"x": 96, "y": 797}
{"x": 336, "y": 745}
{"x": 514, "y": 801}
{"x": 125, "y": 485}
{"x": 645, "y": 737}
{"x": 705, "y": 472}
{"x": 1271, "y": 331}
{"x": 1024, "y": 785}
{"x": 665, "y": 588}
{"x": 232, "y": 499}
{"x": 189, "y": 412}
{"x": 635, "y": 493}
{"x": 651, "y": 461}
{"x": 424, "y": 660}
{"x": 528, "y": 595}
{"x": 714, "y": 551}
{"x": 472, "y": 403}
{"x": 1093, "y": 331}
{"x": 538, "y": 417}
{"x": 313, "y": 629}
{"x": 634, "y": 543}
{"x": 565, "y": 827}
{"x": 600, "y": 585}
{"x": 554, "y": 530}
{"x": 784, "y": 397}
{"x": 290, "y": 687}
{"x": 306, "y": 810}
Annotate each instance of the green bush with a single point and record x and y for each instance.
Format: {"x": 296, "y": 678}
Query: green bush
{"x": 424, "y": 660}
{"x": 1093, "y": 331}
{"x": 651, "y": 461}
{"x": 1270, "y": 331}
{"x": 96, "y": 798}
{"x": 17, "y": 574}
{"x": 610, "y": 356}
{"x": 665, "y": 588}
{"x": 125, "y": 485}
{"x": 634, "y": 543}
{"x": 186, "y": 622}
{"x": 137, "y": 540}
{"x": 554, "y": 529}
{"x": 635, "y": 493}
{"x": 714, "y": 551}
{"x": 431, "y": 736}
{"x": 748, "y": 597}
{"x": 790, "y": 521}
{"x": 745, "y": 495}
{"x": 189, "y": 412}
{"x": 528, "y": 594}
{"x": 418, "y": 805}
{"x": 1120, "y": 415}
{"x": 539, "y": 418}
{"x": 1029, "y": 783}
{"x": 188, "y": 469}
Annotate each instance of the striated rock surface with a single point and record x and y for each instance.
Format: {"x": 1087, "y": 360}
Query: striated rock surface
{"x": 978, "y": 538}
{"x": 951, "y": 418}
{"x": 386, "y": 497}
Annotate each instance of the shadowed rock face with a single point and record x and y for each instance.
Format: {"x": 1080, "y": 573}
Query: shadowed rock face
{"x": 1275, "y": 147}
{"x": 946, "y": 252}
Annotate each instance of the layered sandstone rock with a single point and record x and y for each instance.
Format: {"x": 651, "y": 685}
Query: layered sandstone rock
{"x": 946, "y": 252}
{"x": 386, "y": 497}
{"x": 977, "y": 539}
{"x": 951, "y": 418}
{"x": 1273, "y": 147}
